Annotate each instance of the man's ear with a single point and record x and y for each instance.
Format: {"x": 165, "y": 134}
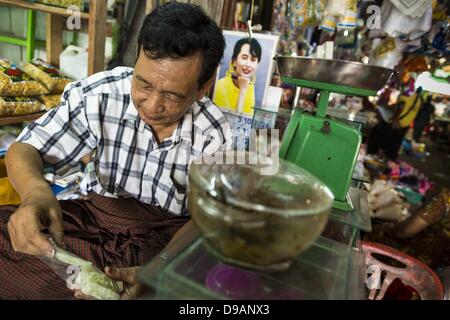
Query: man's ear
{"x": 206, "y": 86}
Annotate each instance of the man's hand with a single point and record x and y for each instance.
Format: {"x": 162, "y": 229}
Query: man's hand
{"x": 39, "y": 209}
{"x": 244, "y": 83}
{"x": 132, "y": 289}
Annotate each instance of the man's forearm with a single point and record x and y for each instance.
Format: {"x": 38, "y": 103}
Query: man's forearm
{"x": 183, "y": 231}
{"x": 24, "y": 165}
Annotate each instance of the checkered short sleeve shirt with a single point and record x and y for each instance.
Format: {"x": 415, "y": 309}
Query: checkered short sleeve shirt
{"x": 97, "y": 114}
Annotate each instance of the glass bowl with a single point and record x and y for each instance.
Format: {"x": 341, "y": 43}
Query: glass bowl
{"x": 259, "y": 215}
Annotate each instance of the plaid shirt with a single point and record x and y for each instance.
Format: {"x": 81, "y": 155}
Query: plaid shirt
{"x": 97, "y": 114}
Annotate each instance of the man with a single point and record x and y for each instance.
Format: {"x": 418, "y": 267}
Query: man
{"x": 143, "y": 128}
{"x": 389, "y": 136}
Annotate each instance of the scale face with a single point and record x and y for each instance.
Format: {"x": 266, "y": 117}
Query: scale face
{"x": 327, "y": 148}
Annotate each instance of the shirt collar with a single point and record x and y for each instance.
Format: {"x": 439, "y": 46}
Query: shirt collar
{"x": 131, "y": 112}
{"x": 182, "y": 132}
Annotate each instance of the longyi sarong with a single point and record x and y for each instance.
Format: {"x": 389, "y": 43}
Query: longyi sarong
{"x": 105, "y": 231}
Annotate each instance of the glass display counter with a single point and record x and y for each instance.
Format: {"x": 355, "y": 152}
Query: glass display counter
{"x": 196, "y": 272}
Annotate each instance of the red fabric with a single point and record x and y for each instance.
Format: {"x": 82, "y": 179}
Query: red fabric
{"x": 106, "y": 231}
{"x": 399, "y": 291}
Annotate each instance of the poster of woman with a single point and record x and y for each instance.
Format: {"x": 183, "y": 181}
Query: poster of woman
{"x": 245, "y": 72}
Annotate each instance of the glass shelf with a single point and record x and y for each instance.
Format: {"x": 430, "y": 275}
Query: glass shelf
{"x": 321, "y": 272}
{"x": 360, "y": 216}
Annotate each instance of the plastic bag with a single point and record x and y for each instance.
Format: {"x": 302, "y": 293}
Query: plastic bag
{"x": 47, "y": 75}
{"x": 14, "y": 106}
{"x": 395, "y": 23}
{"x": 15, "y": 82}
{"x": 386, "y": 199}
{"x": 50, "y": 101}
{"x": 394, "y": 213}
{"x": 82, "y": 275}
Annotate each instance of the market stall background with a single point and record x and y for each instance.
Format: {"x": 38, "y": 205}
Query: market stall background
{"x": 413, "y": 41}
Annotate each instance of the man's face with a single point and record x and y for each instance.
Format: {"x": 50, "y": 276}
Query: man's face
{"x": 246, "y": 63}
{"x": 163, "y": 90}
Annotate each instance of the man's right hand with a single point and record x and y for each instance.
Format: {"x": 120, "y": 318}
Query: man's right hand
{"x": 39, "y": 209}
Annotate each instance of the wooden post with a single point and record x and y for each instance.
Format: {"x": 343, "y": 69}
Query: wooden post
{"x": 54, "y": 41}
{"x": 97, "y": 34}
{"x": 229, "y": 7}
{"x": 149, "y": 6}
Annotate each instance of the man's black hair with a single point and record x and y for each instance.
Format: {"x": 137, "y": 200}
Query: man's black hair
{"x": 175, "y": 30}
{"x": 255, "y": 48}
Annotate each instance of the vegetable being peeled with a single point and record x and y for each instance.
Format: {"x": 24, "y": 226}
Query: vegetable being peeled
{"x": 90, "y": 280}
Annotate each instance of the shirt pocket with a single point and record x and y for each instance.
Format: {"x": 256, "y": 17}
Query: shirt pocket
{"x": 178, "y": 177}
{"x": 177, "y": 199}
{"x": 179, "y": 171}
{"x": 176, "y": 181}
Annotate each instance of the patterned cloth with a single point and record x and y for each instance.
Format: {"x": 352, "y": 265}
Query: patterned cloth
{"x": 97, "y": 113}
{"x": 103, "y": 230}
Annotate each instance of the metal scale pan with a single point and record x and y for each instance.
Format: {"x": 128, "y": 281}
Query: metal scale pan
{"x": 345, "y": 77}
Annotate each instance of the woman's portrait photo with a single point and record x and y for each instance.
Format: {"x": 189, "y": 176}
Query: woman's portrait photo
{"x": 245, "y": 72}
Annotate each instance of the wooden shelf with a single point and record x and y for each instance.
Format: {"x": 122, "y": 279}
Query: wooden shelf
{"x": 19, "y": 119}
{"x": 96, "y": 29}
{"x": 41, "y": 7}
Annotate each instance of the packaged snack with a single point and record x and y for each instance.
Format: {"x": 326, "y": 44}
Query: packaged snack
{"x": 15, "y": 82}
{"x": 47, "y": 75}
{"x": 64, "y": 3}
{"x": 50, "y": 101}
{"x": 14, "y": 106}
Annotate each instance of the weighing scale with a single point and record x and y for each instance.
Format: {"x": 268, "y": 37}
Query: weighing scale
{"x": 326, "y": 147}
{"x": 329, "y": 269}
